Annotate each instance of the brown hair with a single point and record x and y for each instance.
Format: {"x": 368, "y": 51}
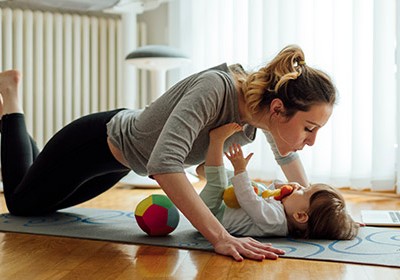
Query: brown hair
{"x": 327, "y": 216}
{"x": 288, "y": 78}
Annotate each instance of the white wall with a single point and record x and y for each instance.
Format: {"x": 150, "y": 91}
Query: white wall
{"x": 157, "y": 25}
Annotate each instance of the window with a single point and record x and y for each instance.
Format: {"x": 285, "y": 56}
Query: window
{"x": 354, "y": 41}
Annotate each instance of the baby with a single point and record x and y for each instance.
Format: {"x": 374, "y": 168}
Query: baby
{"x": 316, "y": 212}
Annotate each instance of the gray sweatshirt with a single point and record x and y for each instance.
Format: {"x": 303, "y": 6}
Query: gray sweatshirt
{"x": 173, "y": 132}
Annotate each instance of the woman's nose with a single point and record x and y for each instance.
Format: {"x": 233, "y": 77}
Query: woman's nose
{"x": 310, "y": 140}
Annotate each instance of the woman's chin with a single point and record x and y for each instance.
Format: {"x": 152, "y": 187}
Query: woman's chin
{"x": 284, "y": 152}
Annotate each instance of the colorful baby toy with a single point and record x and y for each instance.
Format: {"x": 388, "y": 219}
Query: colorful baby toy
{"x": 157, "y": 215}
{"x": 278, "y": 194}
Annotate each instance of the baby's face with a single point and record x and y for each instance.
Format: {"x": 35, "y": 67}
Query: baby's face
{"x": 299, "y": 199}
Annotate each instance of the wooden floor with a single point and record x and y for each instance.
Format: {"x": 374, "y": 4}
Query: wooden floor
{"x": 24, "y": 256}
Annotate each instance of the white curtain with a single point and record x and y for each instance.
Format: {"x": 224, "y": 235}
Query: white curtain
{"x": 398, "y": 95}
{"x": 352, "y": 40}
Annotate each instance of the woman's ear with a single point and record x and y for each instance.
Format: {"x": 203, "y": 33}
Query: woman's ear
{"x": 301, "y": 217}
{"x": 276, "y": 107}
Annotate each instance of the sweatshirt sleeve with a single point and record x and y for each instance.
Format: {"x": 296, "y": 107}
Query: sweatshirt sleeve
{"x": 269, "y": 213}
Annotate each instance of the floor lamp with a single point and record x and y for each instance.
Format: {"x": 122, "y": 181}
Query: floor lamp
{"x": 157, "y": 59}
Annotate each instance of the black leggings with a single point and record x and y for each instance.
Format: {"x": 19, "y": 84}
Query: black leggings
{"x": 74, "y": 166}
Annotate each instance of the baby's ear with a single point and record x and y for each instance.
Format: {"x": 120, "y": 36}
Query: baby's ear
{"x": 301, "y": 217}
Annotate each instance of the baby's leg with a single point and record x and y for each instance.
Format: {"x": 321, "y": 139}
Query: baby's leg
{"x": 212, "y": 192}
{"x": 214, "y": 169}
{"x": 218, "y": 136}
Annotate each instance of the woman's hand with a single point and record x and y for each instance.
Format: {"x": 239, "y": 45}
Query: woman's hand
{"x": 184, "y": 196}
{"x": 247, "y": 247}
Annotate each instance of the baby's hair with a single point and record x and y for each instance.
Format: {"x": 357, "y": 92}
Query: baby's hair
{"x": 328, "y": 218}
{"x": 288, "y": 78}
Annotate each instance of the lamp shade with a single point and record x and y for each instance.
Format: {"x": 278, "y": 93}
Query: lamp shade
{"x": 157, "y": 57}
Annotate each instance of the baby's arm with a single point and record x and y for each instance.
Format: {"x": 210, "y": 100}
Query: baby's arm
{"x": 261, "y": 212}
{"x": 264, "y": 213}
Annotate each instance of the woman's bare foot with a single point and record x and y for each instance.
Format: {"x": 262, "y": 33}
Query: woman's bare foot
{"x": 200, "y": 171}
{"x": 224, "y": 132}
{"x": 9, "y": 82}
{"x": 1, "y": 106}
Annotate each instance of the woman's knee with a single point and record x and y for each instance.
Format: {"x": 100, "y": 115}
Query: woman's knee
{"x": 21, "y": 208}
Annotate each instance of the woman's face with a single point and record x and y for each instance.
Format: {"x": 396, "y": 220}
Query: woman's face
{"x": 300, "y": 130}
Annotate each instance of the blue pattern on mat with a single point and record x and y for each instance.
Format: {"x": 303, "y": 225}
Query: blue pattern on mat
{"x": 373, "y": 245}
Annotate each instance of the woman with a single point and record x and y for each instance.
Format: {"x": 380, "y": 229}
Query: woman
{"x": 289, "y": 100}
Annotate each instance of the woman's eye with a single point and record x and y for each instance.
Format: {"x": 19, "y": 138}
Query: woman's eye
{"x": 308, "y": 129}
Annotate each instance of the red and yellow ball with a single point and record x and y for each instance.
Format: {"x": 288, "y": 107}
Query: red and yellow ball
{"x": 157, "y": 215}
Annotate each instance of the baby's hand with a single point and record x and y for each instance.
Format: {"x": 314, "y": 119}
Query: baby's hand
{"x": 235, "y": 156}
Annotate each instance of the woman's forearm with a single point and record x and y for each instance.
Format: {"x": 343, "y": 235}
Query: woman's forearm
{"x": 184, "y": 196}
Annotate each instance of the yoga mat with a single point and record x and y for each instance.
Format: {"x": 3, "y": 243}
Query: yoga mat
{"x": 373, "y": 245}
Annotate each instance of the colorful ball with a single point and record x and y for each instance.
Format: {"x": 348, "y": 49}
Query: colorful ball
{"x": 157, "y": 215}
